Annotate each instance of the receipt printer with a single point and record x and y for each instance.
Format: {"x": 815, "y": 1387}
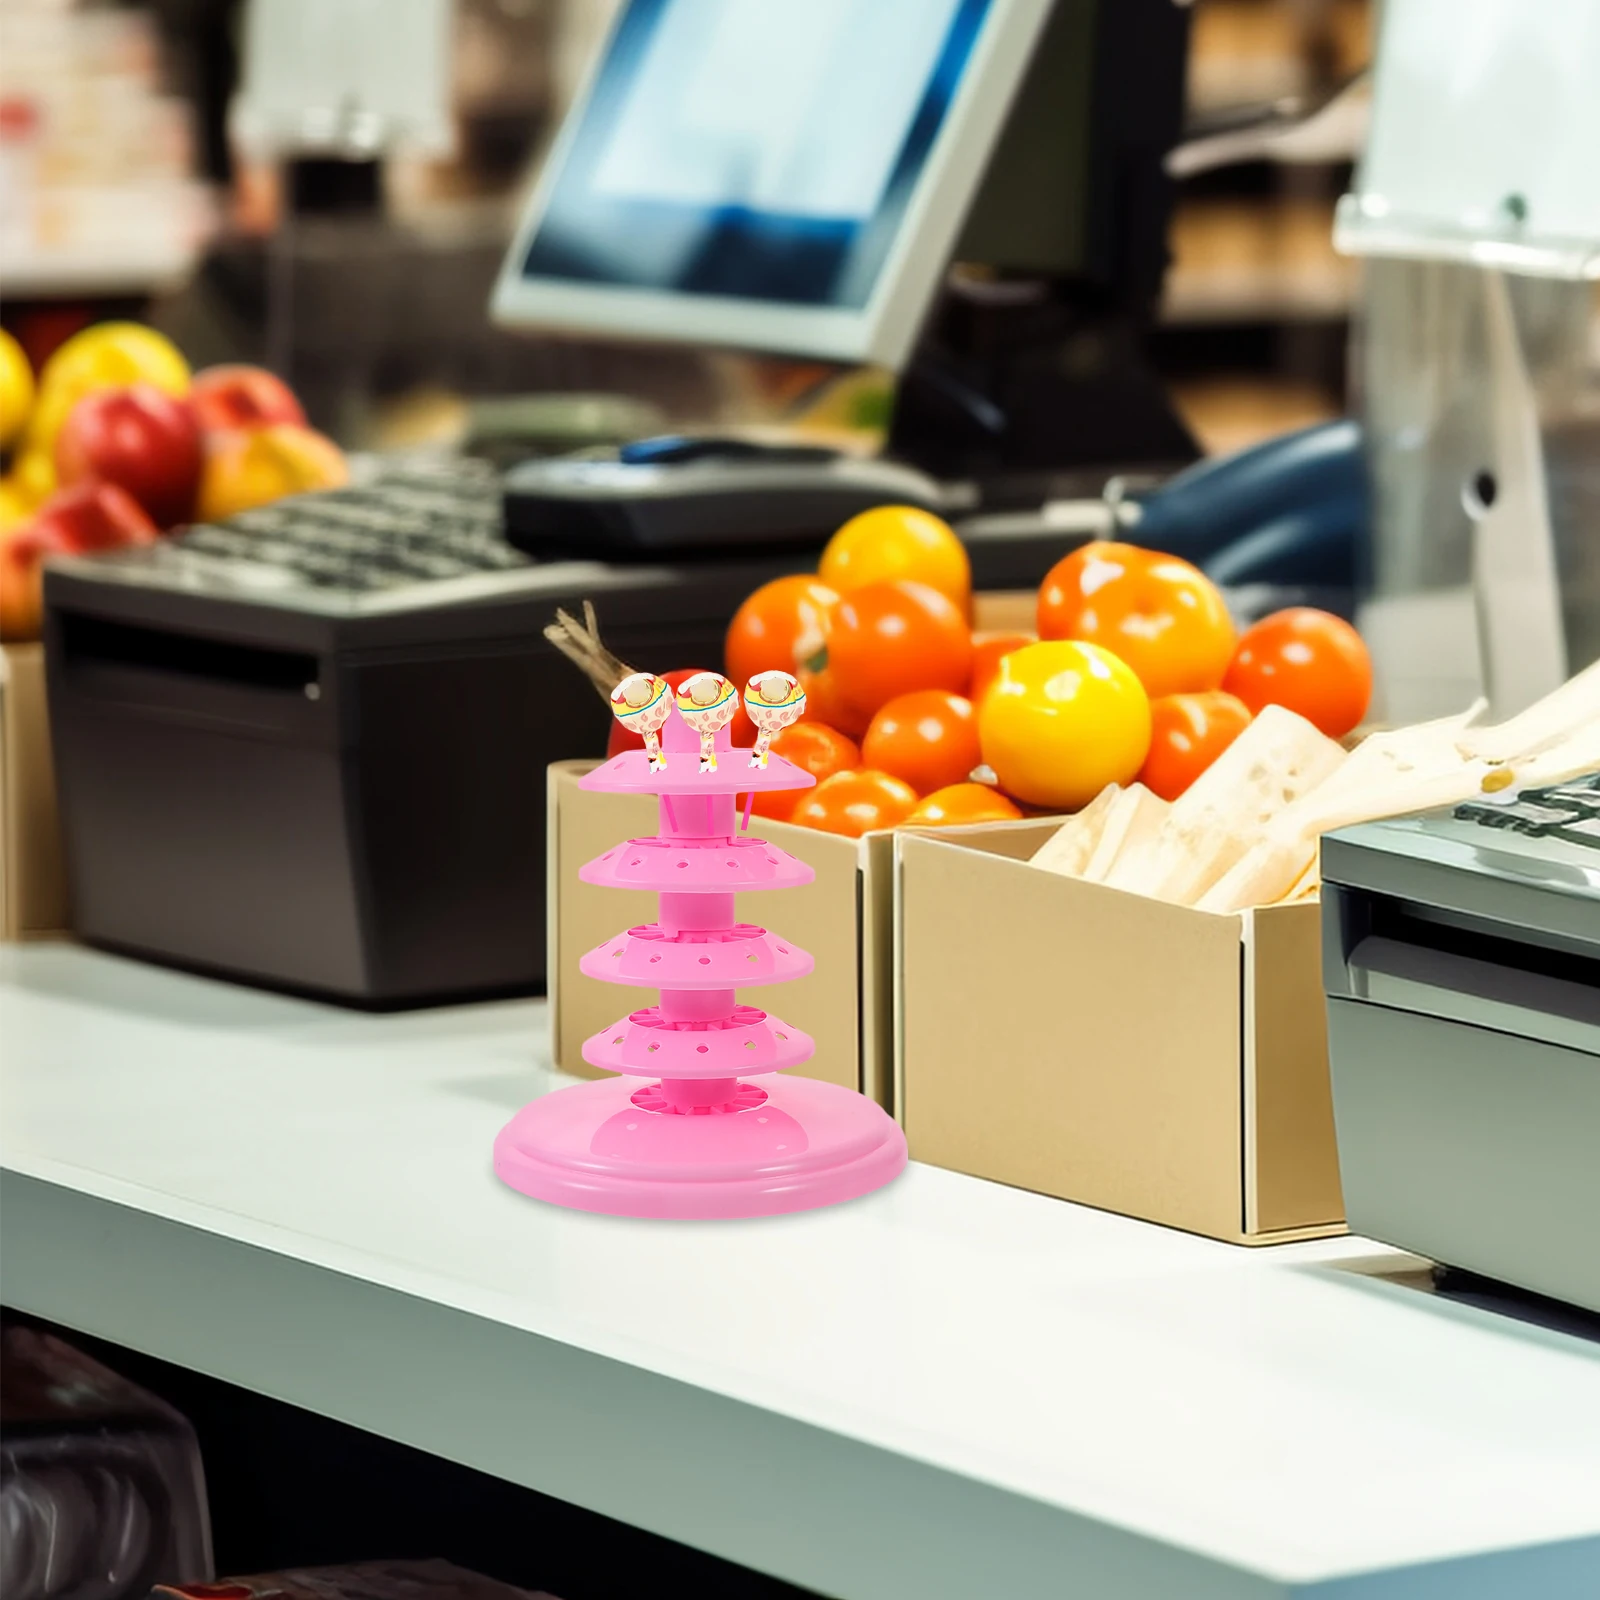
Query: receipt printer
{"x": 1461, "y": 958}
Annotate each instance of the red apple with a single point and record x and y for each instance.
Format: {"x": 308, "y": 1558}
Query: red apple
{"x": 92, "y": 516}
{"x": 234, "y": 397}
{"x": 143, "y": 440}
{"x": 741, "y": 728}
{"x": 21, "y": 603}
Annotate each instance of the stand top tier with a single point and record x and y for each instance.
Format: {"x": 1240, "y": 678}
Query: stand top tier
{"x": 629, "y": 773}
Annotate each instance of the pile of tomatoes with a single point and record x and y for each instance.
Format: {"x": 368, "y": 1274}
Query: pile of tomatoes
{"x": 1136, "y": 672}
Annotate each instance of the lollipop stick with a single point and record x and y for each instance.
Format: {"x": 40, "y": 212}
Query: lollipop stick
{"x": 708, "y": 752}
{"x": 652, "y": 748}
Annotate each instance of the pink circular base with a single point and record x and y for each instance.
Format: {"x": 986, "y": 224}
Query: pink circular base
{"x": 591, "y": 1147}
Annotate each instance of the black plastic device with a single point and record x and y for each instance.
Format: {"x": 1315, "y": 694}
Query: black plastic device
{"x": 685, "y": 496}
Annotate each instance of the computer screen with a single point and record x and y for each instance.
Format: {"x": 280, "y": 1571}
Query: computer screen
{"x": 776, "y": 174}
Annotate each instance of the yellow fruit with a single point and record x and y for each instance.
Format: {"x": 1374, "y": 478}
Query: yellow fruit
{"x": 14, "y": 509}
{"x": 891, "y": 542}
{"x": 1061, "y": 720}
{"x": 245, "y": 470}
{"x": 106, "y": 355}
{"x": 33, "y": 476}
{"x": 16, "y": 388}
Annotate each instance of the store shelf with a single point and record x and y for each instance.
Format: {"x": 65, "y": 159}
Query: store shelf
{"x": 946, "y": 1389}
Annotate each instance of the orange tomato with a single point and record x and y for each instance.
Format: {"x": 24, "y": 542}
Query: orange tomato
{"x": 783, "y": 624}
{"x": 825, "y": 704}
{"x": 1164, "y": 617}
{"x": 928, "y": 737}
{"x": 987, "y": 649}
{"x": 1309, "y": 661}
{"x": 898, "y": 542}
{"x": 1187, "y": 733}
{"x": 854, "y": 803}
{"x": 961, "y": 803}
{"x": 889, "y": 638}
{"x": 1062, "y": 720}
{"x": 816, "y": 748}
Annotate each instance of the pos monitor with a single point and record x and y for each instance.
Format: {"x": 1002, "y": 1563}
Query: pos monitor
{"x": 796, "y": 177}
{"x": 780, "y": 175}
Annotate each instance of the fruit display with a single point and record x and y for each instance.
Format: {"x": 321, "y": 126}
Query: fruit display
{"x": 962, "y": 803}
{"x": 1163, "y": 617}
{"x": 259, "y": 465}
{"x": 1137, "y": 677}
{"x": 928, "y": 738}
{"x": 1187, "y": 733}
{"x": 78, "y": 521}
{"x": 891, "y": 542}
{"x": 139, "y": 438}
{"x": 815, "y": 748}
{"x": 854, "y": 803}
{"x": 893, "y": 637}
{"x": 116, "y": 408}
{"x": 1061, "y": 721}
{"x": 1308, "y": 661}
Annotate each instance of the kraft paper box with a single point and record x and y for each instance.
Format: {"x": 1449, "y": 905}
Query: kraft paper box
{"x": 1111, "y": 1049}
{"x": 33, "y": 884}
{"x": 843, "y": 919}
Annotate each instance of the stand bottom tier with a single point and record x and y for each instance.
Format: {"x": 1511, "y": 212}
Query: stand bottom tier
{"x": 601, "y": 1147}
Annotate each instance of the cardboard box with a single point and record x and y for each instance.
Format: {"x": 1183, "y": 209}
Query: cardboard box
{"x": 1111, "y": 1049}
{"x": 33, "y": 880}
{"x": 844, "y": 919}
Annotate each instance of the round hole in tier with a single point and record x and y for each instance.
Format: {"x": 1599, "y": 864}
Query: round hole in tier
{"x": 683, "y": 863}
{"x": 705, "y": 961}
{"x": 654, "y": 959}
{"x": 700, "y": 1049}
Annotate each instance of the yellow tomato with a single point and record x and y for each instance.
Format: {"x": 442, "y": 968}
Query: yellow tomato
{"x": 105, "y": 355}
{"x": 16, "y": 388}
{"x": 1062, "y": 720}
{"x": 891, "y": 542}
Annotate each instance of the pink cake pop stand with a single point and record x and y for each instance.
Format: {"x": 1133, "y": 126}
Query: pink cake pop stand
{"x": 681, "y": 1131}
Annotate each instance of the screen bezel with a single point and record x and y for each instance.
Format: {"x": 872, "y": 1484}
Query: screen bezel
{"x": 883, "y": 330}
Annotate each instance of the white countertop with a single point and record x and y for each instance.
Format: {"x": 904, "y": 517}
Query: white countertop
{"x": 946, "y": 1389}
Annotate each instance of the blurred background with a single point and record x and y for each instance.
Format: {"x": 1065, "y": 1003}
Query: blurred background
{"x": 136, "y": 181}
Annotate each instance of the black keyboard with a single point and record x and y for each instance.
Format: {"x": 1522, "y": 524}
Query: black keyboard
{"x": 413, "y": 523}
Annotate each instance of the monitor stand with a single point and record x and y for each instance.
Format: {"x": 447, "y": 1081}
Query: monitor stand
{"x": 1023, "y": 393}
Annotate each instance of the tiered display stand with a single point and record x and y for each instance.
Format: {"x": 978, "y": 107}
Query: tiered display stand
{"x": 696, "y": 1125}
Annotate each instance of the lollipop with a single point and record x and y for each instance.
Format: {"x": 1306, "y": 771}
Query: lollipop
{"x": 774, "y": 700}
{"x": 642, "y": 703}
{"x": 708, "y": 703}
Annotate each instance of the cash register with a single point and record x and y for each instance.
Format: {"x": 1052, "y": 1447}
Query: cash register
{"x": 1461, "y": 955}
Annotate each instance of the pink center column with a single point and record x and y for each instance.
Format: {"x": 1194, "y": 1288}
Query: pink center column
{"x": 695, "y": 818}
